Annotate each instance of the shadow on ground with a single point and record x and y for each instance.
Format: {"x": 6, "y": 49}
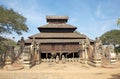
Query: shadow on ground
{"x": 115, "y": 76}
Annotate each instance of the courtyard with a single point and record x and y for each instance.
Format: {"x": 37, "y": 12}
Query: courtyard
{"x": 69, "y": 70}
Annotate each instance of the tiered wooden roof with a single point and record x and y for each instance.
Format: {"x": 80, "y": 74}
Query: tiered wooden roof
{"x": 57, "y": 35}
{"x": 62, "y": 19}
{"x": 56, "y": 31}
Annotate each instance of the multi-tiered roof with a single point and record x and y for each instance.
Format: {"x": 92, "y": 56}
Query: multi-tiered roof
{"x": 56, "y": 31}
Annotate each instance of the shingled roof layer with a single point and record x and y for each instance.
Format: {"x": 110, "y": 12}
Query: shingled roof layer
{"x": 58, "y": 35}
{"x": 55, "y": 40}
{"x": 62, "y": 25}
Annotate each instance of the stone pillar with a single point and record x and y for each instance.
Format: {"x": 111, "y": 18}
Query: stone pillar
{"x": 27, "y": 57}
{"x": 83, "y": 56}
{"x": 38, "y": 58}
{"x": 86, "y": 55}
{"x": 96, "y": 59}
{"x": 84, "y": 52}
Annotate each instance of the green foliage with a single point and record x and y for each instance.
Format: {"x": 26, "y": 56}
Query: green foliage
{"x": 117, "y": 49}
{"x": 9, "y": 42}
{"x": 112, "y": 36}
{"x": 4, "y": 43}
{"x": 2, "y": 48}
{"x": 118, "y": 22}
{"x": 11, "y": 21}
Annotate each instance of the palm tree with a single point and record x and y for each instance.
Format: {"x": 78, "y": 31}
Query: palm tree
{"x": 118, "y": 22}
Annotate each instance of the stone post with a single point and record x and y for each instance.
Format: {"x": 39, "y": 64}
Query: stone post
{"x": 63, "y": 59}
{"x": 57, "y": 59}
{"x": 38, "y": 58}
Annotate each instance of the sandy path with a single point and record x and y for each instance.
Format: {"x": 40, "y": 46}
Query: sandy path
{"x": 62, "y": 71}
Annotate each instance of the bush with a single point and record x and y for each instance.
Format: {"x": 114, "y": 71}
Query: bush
{"x": 2, "y": 48}
{"x": 117, "y": 49}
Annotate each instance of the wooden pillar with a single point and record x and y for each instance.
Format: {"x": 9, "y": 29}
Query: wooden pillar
{"x": 66, "y": 55}
{"x": 73, "y": 54}
{"x": 79, "y": 54}
{"x": 39, "y": 52}
{"x": 60, "y": 54}
{"x": 40, "y": 56}
{"x": 46, "y": 55}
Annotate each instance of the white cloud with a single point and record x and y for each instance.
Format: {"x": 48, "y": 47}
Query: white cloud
{"x": 107, "y": 25}
{"x": 99, "y": 12}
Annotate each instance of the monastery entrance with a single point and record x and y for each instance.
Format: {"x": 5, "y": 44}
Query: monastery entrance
{"x": 60, "y": 51}
{"x": 67, "y": 57}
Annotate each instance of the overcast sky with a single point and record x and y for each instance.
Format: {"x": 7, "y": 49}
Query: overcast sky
{"x": 91, "y": 17}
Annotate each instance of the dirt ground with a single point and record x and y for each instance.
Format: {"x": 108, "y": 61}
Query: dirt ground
{"x": 72, "y": 70}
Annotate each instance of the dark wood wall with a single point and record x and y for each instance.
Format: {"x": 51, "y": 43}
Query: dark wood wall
{"x": 60, "y": 47}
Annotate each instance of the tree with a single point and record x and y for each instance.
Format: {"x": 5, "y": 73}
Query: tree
{"x": 112, "y": 36}
{"x": 11, "y": 21}
{"x": 118, "y": 22}
{"x": 2, "y": 45}
{"x": 117, "y": 49}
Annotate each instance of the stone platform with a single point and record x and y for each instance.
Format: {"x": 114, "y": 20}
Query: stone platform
{"x": 14, "y": 66}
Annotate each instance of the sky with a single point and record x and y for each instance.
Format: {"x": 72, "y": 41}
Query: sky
{"x": 91, "y": 17}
